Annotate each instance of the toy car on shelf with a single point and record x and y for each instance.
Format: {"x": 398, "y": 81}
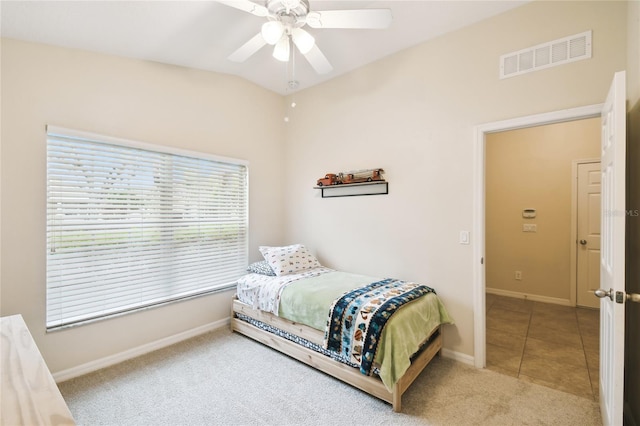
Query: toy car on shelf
{"x": 356, "y": 176}
{"x": 329, "y": 179}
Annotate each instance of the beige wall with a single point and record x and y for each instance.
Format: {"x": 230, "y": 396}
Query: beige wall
{"x": 532, "y": 168}
{"x": 130, "y": 99}
{"x": 414, "y": 114}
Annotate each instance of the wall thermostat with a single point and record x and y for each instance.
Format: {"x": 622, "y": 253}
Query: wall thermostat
{"x": 529, "y": 213}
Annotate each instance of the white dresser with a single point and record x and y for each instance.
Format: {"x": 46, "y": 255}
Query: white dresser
{"x": 29, "y": 395}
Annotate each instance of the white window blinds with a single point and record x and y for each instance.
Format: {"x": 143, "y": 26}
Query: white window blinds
{"x": 131, "y": 225}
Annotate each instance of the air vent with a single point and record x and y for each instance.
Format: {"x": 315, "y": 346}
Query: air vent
{"x": 546, "y": 55}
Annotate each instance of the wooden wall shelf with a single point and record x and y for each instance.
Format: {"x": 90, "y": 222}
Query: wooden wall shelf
{"x": 354, "y": 189}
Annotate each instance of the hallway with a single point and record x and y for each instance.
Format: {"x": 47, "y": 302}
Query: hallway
{"x": 551, "y": 345}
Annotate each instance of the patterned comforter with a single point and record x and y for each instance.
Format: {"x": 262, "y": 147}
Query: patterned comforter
{"x": 356, "y": 319}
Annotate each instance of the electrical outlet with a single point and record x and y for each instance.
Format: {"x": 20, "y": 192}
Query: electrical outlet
{"x": 519, "y": 275}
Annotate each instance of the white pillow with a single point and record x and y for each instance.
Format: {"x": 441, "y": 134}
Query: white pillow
{"x": 289, "y": 259}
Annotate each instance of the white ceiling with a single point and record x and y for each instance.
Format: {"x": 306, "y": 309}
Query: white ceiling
{"x": 201, "y": 34}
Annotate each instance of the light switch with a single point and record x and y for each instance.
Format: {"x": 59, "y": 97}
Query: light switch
{"x": 464, "y": 237}
{"x": 529, "y": 227}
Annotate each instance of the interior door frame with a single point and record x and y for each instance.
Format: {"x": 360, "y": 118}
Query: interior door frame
{"x": 479, "y": 199}
{"x": 573, "y": 296}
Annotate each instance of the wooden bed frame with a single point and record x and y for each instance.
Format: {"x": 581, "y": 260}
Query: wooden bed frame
{"x": 369, "y": 384}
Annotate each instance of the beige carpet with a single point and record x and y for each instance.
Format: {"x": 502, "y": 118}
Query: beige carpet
{"x": 221, "y": 378}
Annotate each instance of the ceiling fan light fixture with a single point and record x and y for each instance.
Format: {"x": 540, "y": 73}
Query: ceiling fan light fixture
{"x": 303, "y": 40}
{"x": 282, "y": 50}
{"x": 272, "y": 31}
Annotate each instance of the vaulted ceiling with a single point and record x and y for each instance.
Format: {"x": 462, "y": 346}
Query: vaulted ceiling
{"x": 202, "y": 34}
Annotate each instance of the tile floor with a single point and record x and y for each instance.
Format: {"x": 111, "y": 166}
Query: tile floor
{"x": 551, "y": 345}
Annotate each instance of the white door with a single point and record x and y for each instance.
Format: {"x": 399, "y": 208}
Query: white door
{"x": 613, "y": 253}
{"x": 588, "y": 233}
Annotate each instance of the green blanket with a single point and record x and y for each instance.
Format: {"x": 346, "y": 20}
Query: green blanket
{"x": 307, "y": 301}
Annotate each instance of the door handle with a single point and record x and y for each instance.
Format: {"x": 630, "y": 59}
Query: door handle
{"x": 620, "y": 295}
{"x": 601, "y": 293}
{"x": 633, "y": 297}
{"x": 583, "y": 242}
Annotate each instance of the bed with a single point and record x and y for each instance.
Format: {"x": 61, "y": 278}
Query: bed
{"x": 374, "y": 334}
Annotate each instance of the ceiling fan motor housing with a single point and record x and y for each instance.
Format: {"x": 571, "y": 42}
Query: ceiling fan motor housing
{"x": 291, "y": 12}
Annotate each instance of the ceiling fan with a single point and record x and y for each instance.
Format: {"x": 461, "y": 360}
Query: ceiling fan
{"x": 285, "y": 22}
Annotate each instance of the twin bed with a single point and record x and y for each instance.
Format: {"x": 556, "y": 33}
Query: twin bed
{"x": 375, "y": 334}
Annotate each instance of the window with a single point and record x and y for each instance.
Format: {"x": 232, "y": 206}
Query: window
{"x": 131, "y": 225}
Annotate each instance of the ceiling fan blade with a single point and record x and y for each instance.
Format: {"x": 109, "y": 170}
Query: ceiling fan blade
{"x": 359, "y": 19}
{"x": 318, "y": 61}
{"x": 247, "y": 6}
{"x": 248, "y": 49}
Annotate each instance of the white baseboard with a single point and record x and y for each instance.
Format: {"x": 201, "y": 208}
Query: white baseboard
{"x": 458, "y": 356}
{"x": 533, "y": 297}
{"x": 110, "y": 360}
{"x": 98, "y": 364}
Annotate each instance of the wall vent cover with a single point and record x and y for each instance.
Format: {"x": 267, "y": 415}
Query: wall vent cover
{"x": 546, "y": 55}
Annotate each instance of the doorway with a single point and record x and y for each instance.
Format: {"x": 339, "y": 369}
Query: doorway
{"x": 533, "y": 330}
{"x": 529, "y": 205}
{"x": 479, "y": 207}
